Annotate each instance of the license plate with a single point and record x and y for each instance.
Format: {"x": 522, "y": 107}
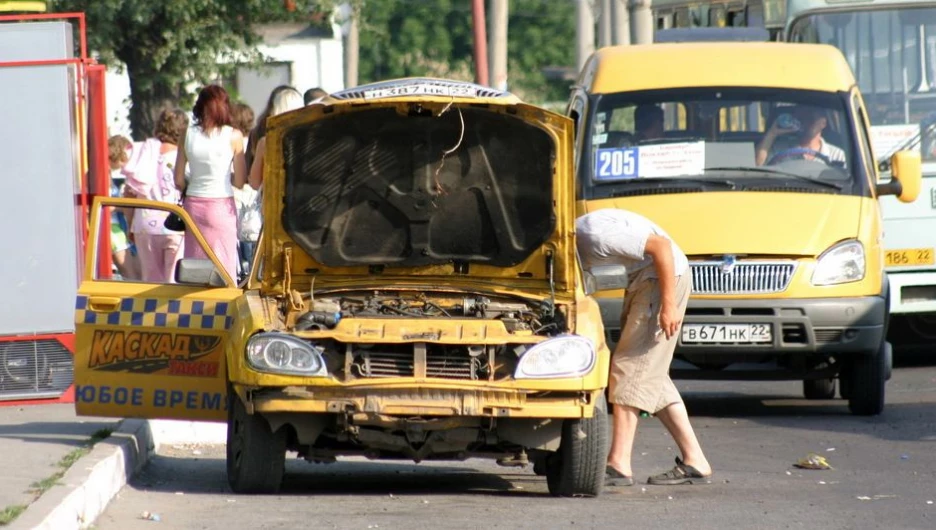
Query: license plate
{"x": 908, "y": 257}
{"x": 733, "y": 333}
{"x": 420, "y": 89}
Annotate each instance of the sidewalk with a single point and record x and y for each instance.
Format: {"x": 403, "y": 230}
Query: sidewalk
{"x": 33, "y": 440}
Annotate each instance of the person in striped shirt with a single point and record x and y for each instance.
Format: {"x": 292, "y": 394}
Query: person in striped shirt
{"x": 800, "y": 137}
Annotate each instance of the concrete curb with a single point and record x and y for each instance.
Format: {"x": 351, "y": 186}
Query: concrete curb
{"x": 90, "y": 484}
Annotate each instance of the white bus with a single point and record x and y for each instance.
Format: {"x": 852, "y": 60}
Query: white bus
{"x": 769, "y": 14}
{"x": 891, "y": 47}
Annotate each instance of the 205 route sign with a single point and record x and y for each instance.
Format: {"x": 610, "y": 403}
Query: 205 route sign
{"x": 617, "y": 163}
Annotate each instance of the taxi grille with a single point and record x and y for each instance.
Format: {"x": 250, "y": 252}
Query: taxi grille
{"x": 440, "y": 362}
{"x": 743, "y": 278}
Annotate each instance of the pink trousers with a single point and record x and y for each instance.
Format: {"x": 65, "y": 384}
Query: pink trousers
{"x": 158, "y": 256}
{"x": 216, "y": 219}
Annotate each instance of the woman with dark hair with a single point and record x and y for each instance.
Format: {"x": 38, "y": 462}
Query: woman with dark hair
{"x": 150, "y": 175}
{"x": 210, "y": 146}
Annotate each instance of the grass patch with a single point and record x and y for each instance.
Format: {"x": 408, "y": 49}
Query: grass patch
{"x": 67, "y": 461}
{"x": 8, "y": 514}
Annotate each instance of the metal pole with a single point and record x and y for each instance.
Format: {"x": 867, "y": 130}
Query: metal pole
{"x": 641, "y": 19}
{"x": 480, "y": 42}
{"x": 605, "y": 24}
{"x": 499, "y": 12}
{"x": 620, "y": 23}
{"x": 352, "y": 50}
{"x": 584, "y": 33}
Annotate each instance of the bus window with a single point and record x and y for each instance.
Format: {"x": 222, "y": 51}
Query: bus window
{"x": 716, "y": 17}
{"x": 736, "y": 18}
{"x": 682, "y": 17}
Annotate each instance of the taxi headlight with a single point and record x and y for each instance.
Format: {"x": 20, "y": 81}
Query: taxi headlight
{"x": 841, "y": 263}
{"x": 564, "y": 356}
{"x": 284, "y": 354}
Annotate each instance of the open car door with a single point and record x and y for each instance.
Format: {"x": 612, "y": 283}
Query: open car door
{"x": 151, "y": 328}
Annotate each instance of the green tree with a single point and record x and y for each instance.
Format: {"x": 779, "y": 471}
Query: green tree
{"x": 168, "y": 44}
{"x": 401, "y": 38}
{"x": 540, "y": 34}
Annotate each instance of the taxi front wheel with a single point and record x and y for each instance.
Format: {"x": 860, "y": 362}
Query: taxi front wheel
{"x": 256, "y": 456}
{"x": 577, "y": 469}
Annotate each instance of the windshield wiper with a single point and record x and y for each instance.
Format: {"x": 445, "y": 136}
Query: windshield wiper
{"x": 724, "y": 183}
{"x": 811, "y": 180}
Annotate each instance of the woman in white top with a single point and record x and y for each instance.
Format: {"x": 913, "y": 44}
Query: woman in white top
{"x": 210, "y": 147}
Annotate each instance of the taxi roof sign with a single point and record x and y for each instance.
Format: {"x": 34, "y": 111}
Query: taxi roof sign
{"x": 419, "y": 86}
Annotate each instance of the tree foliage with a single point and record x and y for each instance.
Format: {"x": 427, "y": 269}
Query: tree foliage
{"x": 401, "y": 38}
{"x": 167, "y": 45}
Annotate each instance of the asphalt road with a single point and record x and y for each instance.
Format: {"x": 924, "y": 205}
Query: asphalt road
{"x": 884, "y": 476}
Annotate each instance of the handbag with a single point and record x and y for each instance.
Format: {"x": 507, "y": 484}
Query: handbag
{"x": 174, "y": 221}
{"x": 250, "y": 220}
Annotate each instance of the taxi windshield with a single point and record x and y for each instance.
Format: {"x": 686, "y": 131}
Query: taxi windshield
{"x": 717, "y": 139}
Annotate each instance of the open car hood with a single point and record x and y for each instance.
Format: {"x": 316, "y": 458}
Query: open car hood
{"x": 377, "y": 182}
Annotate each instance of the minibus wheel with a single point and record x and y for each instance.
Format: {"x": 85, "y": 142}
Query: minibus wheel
{"x": 868, "y": 374}
{"x": 256, "y": 456}
{"x": 577, "y": 469}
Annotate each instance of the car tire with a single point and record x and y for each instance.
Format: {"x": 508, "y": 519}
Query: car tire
{"x": 868, "y": 376}
{"x": 819, "y": 388}
{"x": 577, "y": 469}
{"x": 888, "y": 360}
{"x": 256, "y": 456}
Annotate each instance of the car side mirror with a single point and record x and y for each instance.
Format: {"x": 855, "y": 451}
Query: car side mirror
{"x": 906, "y": 176}
{"x": 605, "y": 278}
{"x": 195, "y": 271}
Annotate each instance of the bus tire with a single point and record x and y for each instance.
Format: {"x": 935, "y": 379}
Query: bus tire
{"x": 868, "y": 375}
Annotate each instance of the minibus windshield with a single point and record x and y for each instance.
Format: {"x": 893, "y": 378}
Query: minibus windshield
{"x": 717, "y": 139}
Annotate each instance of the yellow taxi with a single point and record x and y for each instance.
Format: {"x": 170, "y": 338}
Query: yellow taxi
{"x": 415, "y": 294}
{"x": 755, "y": 157}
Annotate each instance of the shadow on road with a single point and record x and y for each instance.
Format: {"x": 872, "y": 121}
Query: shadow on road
{"x": 346, "y": 478}
{"x": 54, "y": 432}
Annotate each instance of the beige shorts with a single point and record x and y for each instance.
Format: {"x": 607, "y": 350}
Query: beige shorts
{"x": 641, "y": 361}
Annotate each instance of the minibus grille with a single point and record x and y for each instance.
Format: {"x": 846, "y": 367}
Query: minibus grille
{"x": 715, "y": 277}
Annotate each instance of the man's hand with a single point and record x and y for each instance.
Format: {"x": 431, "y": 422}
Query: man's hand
{"x": 669, "y": 320}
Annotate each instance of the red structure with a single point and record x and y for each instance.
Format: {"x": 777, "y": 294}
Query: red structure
{"x": 37, "y": 366}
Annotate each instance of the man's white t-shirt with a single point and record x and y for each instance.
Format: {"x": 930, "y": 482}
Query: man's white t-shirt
{"x": 619, "y": 237}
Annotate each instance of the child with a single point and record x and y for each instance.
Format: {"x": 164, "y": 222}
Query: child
{"x": 123, "y": 251}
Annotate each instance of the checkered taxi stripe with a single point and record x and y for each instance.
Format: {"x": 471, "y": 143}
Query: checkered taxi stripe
{"x": 156, "y": 313}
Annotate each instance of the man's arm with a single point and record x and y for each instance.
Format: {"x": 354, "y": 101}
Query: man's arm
{"x": 763, "y": 147}
{"x": 661, "y": 250}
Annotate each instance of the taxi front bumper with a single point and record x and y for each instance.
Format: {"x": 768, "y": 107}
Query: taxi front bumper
{"x": 421, "y": 401}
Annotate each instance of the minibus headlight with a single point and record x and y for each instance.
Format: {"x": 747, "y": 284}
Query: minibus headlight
{"x": 841, "y": 263}
{"x": 284, "y": 354}
{"x": 564, "y": 356}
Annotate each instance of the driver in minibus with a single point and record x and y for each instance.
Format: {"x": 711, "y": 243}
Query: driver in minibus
{"x": 798, "y": 134}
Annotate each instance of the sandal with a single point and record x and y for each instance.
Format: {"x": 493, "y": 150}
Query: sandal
{"x": 681, "y": 474}
{"x": 613, "y": 477}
